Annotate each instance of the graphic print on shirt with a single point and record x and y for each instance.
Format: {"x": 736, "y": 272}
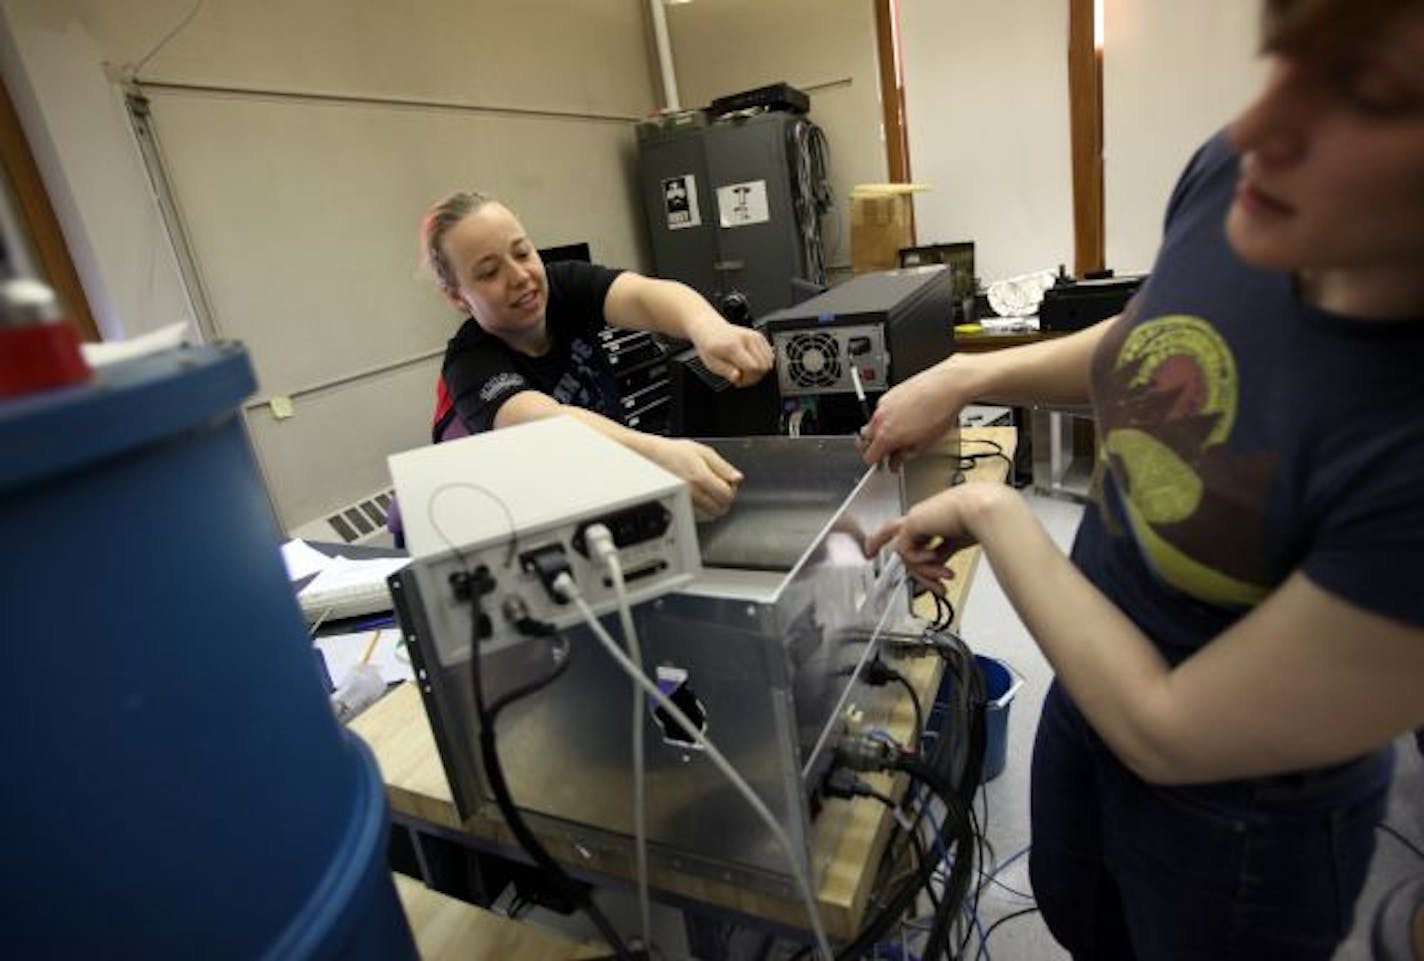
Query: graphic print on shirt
{"x": 500, "y": 384}
{"x": 1196, "y": 509}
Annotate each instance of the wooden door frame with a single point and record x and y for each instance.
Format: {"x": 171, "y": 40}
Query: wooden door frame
{"x": 1085, "y": 107}
{"x": 892, "y": 93}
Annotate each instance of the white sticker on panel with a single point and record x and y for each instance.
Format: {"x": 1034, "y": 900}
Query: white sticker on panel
{"x": 680, "y": 202}
{"x": 740, "y": 205}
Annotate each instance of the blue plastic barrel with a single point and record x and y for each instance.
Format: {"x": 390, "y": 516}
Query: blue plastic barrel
{"x": 1000, "y": 686}
{"x": 177, "y": 786}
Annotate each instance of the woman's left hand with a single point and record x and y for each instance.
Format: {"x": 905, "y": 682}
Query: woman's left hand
{"x": 740, "y": 355}
{"x": 934, "y": 531}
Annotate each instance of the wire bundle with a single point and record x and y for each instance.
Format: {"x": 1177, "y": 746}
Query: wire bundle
{"x": 810, "y": 192}
{"x": 948, "y": 774}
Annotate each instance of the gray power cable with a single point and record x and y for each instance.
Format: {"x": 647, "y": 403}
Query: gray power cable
{"x": 600, "y": 541}
{"x": 564, "y": 584}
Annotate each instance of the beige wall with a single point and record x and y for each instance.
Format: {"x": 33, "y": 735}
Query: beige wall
{"x": 301, "y": 211}
{"x": 987, "y": 94}
{"x": 825, "y": 47}
{"x": 986, "y": 90}
{"x": 1173, "y": 74}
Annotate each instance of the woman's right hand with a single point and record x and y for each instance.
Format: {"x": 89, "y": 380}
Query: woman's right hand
{"x": 914, "y": 414}
{"x": 712, "y": 481}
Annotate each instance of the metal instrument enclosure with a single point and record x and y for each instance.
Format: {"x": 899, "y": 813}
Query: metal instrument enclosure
{"x": 764, "y": 643}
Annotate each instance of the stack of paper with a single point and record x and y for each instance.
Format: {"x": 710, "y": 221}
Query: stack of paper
{"x": 342, "y": 652}
{"x": 342, "y": 587}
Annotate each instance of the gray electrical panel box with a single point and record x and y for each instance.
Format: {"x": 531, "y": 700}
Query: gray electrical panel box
{"x": 677, "y": 198}
{"x": 721, "y": 202}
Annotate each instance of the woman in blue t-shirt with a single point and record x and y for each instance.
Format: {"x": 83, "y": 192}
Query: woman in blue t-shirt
{"x": 529, "y": 347}
{"x": 1239, "y": 634}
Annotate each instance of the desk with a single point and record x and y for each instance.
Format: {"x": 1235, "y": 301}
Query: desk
{"x": 1059, "y": 460}
{"x": 399, "y": 734}
{"x": 987, "y": 340}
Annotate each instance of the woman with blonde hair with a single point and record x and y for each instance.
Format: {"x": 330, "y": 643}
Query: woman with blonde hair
{"x": 529, "y": 349}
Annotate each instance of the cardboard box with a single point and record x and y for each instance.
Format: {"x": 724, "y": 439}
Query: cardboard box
{"x": 882, "y": 222}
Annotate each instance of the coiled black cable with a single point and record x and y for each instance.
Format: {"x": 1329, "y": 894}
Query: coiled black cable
{"x": 951, "y": 771}
{"x": 572, "y": 893}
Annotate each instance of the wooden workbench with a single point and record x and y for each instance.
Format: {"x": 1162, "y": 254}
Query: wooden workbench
{"x": 983, "y": 341}
{"x": 397, "y": 730}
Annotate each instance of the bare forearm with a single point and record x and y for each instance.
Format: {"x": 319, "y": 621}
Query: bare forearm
{"x": 1112, "y": 670}
{"x": 711, "y": 480}
{"x": 1056, "y": 371}
{"x": 532, "y": 405}
{"x": 1231, "y": 710}
{"x": 634, "y": 440}
{"x": 666, "y": 307}
{"x": 911, "y": 415}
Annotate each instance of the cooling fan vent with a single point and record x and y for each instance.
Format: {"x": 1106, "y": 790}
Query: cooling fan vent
{"x": 813, "y": 359}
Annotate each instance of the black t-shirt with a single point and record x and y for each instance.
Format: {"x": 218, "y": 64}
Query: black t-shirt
{"x": 1245, "y": 434}
{"x": 481, "y": 372}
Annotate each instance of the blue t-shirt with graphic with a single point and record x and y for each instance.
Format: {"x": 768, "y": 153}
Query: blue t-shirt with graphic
{"x": 481, "y": 371}
{"x": 1245, "y": 434}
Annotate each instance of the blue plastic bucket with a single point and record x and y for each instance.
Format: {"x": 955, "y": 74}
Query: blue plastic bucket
{"x": 1001, "y": 683}
{"x": 181, "y": 788}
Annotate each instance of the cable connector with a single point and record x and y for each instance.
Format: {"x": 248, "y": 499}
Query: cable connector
{"x": 860, "y": 752}
{"x": 469, "y": 587}
{"x": 600, "y": 541}
{"x": 549, "y": 563}
{"x": 842, "y": 783}
{"x": 877, "y": 673}
{"x": 517, "y": 613}
{"x": 564, "y": 587}
{"x": 471, "y": 584}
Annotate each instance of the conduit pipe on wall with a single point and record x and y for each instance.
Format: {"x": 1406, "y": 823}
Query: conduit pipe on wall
{"x": 660, "y": 32}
